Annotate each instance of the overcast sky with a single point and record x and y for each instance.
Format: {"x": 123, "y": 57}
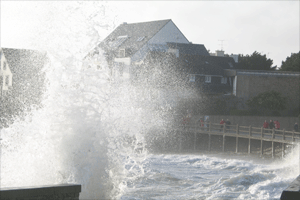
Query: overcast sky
{"x": 239, "y": 27}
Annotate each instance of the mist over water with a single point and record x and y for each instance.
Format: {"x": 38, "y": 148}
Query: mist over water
{"x": 91, "y": 128}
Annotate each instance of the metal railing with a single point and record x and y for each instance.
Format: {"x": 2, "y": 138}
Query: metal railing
{"x": 246, "y": 132}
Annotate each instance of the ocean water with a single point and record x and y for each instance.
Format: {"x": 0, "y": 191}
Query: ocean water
{"x": 92, "y": 128}
{"x": 209, "y": 176}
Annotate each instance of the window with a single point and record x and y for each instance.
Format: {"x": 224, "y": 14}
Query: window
{"x": 4, "y": 65}
{"x": 192, "y": 78}
{"x": 6, "y": 80}
{"x": 122, "y": 53}
{"x": 117, "y": 42}
{"x": 207, "y": 79}
{"x": 224, "y": 80}
{"x": 140, "y": 38}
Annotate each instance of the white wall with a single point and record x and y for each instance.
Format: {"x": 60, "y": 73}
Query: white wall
{"x": 169, "y": 33}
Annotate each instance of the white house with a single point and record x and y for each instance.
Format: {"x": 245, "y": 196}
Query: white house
{"x": 129, "y": 43}
{"x": 5, "y": 74}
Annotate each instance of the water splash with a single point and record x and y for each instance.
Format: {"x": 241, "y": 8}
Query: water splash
{"x": 88, "y": 126}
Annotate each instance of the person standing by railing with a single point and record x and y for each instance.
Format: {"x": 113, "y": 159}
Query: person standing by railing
{"x": 271, "y": 125}
{"x": 296, "y": 127}
{"x": 266, "y": 125}
{"x": 277, "y": 125}
{"x": 201, "y": 123}
{"x": 228, "y": 123}
{"x": 222, "y": 122}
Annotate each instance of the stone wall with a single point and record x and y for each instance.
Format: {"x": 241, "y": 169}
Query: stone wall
{"x": 251, "y": 85}
{"x": 49, "y": 192}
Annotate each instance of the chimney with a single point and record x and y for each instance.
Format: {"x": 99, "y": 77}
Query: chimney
{"x": 220, "y": 53}
{"x": 124, "y": 23}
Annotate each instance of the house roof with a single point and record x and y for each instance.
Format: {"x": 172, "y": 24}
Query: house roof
{"x": 132, "y": 36}
{"x": 17, "y": 58}
{"x": 234, "y": 72}
{"x": 24, "y": 63}
{"x": 206, "y": 65}
{"x": 194, "y": 64}
{"x": 190, "y": 49}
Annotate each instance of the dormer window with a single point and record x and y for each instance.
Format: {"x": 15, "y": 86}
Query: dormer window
{"x": 4, "y": 65}
{"x": 192, "y": 78}
{"x": 122, "y": 53}
{"x": 207, "y": 79}
{"x": 118, "y": 41}
{"x": 140, "y": 38}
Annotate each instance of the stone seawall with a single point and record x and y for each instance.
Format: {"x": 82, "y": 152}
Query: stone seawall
{"x": 47, "y": 192}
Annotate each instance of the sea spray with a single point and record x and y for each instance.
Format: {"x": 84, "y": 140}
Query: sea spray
{"x": 88, "y": 126}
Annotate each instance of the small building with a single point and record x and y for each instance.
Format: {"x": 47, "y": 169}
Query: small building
{"x": 206, "y": 73}
{"x": 5, "y": 75}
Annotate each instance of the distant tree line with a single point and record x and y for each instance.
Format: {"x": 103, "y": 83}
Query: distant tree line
{"x": 292, "y": 63}
{"x": 258, "y": 61}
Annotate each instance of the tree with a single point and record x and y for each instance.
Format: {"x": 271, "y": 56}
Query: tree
{"x": 291, "y": 63}
{"x": 268, "y": 101}
{"x": 256, "y": 61}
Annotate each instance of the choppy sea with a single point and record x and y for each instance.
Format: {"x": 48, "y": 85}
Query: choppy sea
{"x": 213, "y": 176}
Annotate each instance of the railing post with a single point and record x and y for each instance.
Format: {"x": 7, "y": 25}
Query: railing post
{"x": 223, "y": 143}
{"x": 237, "y": 129}
{"x": 283, "y": 149}
{"x": 262, "y": 132}
{"x": 261, "y": 147}
{"x": 209, "y": 141}
{"x": 209, "y": 127}
{"x": 249, "y": 146}
{"x": 195, "y": 138}
{"x": 273, "y": 149}
{"x": 293, "y": 136}
{"x": 224, "y": 128}
{"x": 283, "y": 134}
{"x": 237, "y": 145}
{"x": 250, "y": 130}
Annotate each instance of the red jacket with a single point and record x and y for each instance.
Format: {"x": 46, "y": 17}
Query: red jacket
{"x": 202, "y": 124}
{"x": 277, "y": 124}
{"x": 266, "y": 125}
{"x": 222, "y": 122}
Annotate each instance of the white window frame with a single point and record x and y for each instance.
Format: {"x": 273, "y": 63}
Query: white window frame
{"x": 140, "y": 38}
{"x": 224, "y": 80}
{"x": 6, "y": 81}
{"x": 122, "y": 53}
{"x": 117, "y": 42}
{"x": 207, "y": 79}
{"x": 192, "y": 77}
